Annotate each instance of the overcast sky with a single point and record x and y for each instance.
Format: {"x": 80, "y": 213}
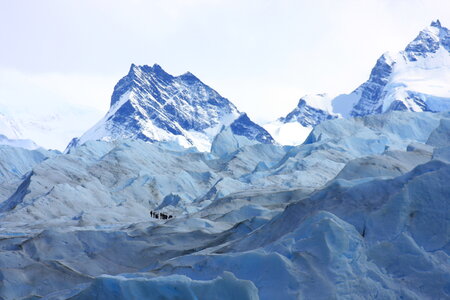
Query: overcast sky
{"x": 262, "y": 55}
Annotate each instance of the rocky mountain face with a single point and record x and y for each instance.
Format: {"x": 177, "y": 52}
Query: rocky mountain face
{"x": 151, "y": 105}
{"x": 311, "y": 111}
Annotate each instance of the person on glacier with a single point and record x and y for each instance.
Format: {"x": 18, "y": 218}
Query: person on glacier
{"x": 160, "y": 215}
{"x": 154, "y": 214}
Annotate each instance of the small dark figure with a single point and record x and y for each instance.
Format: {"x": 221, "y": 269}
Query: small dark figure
{"x": 154, "y": 214}
{"x": 162, "y": 216}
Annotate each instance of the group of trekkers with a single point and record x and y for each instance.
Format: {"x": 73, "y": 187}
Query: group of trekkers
{"x": 162, "y": 216}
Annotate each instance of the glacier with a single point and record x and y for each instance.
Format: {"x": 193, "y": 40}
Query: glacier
{"x": 360, "y": 210}
{"x": 170, "y": 287}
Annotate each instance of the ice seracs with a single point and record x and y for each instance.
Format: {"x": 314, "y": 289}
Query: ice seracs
{"x": 151, "y": 105}
{"x": 359, "y": 209}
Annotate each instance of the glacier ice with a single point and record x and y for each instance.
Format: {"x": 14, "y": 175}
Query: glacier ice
{"x": 225, "y": 286}
{"x": 358, "y": 211}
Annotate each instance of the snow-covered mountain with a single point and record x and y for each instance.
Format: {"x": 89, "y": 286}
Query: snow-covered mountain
{"x": 296, "y": 126}
{"x": 151, "y": 105}
{"x": 415, "y": 79}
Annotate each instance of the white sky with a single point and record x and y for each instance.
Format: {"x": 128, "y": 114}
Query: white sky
{"x": 262, "y": 55}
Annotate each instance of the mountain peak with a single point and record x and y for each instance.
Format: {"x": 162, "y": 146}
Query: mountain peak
{"x": 133, "y": 70}
{"x": 409, "y": 80}
{"x": 429, "y": 41}
{"x": 151, "y": 105}
{"x": 311, "y": 110}
{"x": 155, "y": 69}
{"x": 436, "y": 24}
{"x": 189, "y": 77}
{"x": 159, "y": 73}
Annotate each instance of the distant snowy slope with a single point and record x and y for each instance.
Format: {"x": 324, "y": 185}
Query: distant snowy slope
{"x": 10, "y": 134}
{"x": 151, "y": 105}
{"x": 26, "y": 144}
{"x": 50, "y": 125}
{"x": 8, "y": 127}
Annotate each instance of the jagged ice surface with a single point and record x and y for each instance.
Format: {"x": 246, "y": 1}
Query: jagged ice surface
{"x": 358, "y": 211}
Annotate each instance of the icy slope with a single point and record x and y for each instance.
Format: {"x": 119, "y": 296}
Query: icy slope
{"x": 122, "y": 181}
{"x": 151, "y": 105}
{"x": 110, "y": 181}
{"x": 403, "y": 231}
{"x": 50, "y": 125}
{"x": 360, "y": 237}
{"x": 15, "y": 163}
{"x": 171, "y": 287}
